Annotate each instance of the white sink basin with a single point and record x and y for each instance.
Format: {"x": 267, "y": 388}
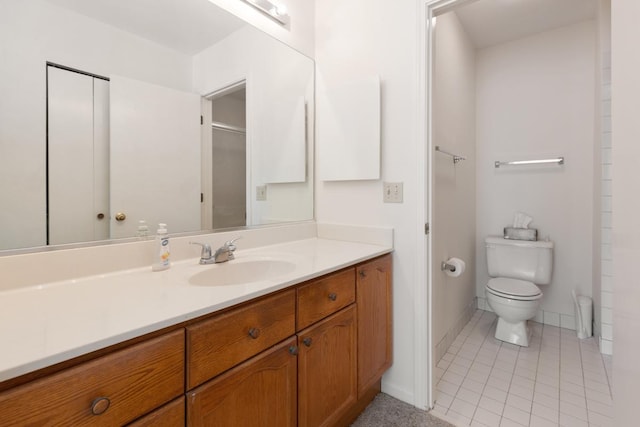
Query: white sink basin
{"x": 241, "y": 271}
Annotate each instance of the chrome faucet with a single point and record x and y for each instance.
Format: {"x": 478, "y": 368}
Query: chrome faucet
{"x": 225, "y": 252}
{"x": 205, "y": 254}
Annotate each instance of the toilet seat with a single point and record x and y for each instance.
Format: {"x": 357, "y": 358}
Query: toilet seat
{"x": 513, "y": 289}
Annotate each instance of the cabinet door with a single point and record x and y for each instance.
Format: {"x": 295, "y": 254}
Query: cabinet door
{"x": 260, "y": 392}
{"x": 373, "y": 290}
{"x": 327, "y": 369}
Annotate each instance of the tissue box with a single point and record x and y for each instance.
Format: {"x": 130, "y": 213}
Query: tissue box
{"x": 521, "y": 233}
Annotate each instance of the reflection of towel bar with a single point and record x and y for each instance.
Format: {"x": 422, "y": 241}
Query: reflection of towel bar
{"x": 456, "y": 158}
{"x": 228, "y": 128}
{"x": 558, "y": 160}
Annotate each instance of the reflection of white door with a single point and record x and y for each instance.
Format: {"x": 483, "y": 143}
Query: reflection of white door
{"x": 77, "y": 164}
{"x": 224, "y": 158}
{"x": 155, "y": 157}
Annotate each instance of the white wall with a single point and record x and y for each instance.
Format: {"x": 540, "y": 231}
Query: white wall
{"x": 33, "y": 33}
{"x": 626, "y": 205}
{"x": 536, "y": 100}
{"x": 454, "y": 198}
{"x": 300, "y": 34}
{"x": 372, "y": 37}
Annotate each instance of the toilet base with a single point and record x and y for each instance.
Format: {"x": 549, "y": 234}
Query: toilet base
{"x": 515, "y": 333}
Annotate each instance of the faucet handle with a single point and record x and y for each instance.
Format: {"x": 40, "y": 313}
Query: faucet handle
{"x": 205, "y": 254}
{"x": 230, "y": 244}
{"x": 231, "y": 247}
{"x": 232, "y": 241}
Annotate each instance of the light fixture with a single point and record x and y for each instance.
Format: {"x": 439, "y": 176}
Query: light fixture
{"x": 277, "y": 12}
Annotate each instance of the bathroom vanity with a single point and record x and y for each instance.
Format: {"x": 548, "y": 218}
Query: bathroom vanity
{"x": 307, "y": 347}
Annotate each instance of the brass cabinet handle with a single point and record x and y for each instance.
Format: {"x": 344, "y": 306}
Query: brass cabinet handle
{"x": 307, "y": 342}
{"x": 333, "y": 296}
{"x": 293, "y": 350}
{"x": 100, "y": 405}
{"x": 254, "y": 333}
{"x": 120, "y": 216}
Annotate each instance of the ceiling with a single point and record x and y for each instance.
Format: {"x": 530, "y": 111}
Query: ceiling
{"x": 187, "y": 26}
{"x": 491, "y": 22}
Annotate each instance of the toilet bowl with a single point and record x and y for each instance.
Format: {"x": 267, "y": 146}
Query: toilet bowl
{"x": 516, "y": 268}
{"x": 514, "y": 302}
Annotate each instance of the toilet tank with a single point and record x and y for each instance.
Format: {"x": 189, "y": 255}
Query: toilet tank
{"x": 520, "y": 259}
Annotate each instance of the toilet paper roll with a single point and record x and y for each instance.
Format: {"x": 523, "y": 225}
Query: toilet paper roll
{"x": 458, "y": 264}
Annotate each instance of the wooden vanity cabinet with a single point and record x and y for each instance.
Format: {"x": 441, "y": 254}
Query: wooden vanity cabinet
{"x": 112, "y": 390}
{"x": 170, "y": 415}
{"x": 308, "y": 356}
{"x": 217, "y": 344}
{"x": 260, "y": 392}
{"x": 373, "y": 289}
{"x": 327, "y": 362}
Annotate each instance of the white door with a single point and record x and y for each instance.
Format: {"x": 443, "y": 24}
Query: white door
{"x": 155, "y": 157}
{"x": 77, "y": 140}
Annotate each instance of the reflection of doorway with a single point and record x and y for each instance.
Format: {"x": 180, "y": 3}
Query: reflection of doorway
{"x": 77, "y": 156}
{"x": 227, "y": 167}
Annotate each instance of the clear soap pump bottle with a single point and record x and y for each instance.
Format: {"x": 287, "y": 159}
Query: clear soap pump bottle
{"x": 162, "y": 250}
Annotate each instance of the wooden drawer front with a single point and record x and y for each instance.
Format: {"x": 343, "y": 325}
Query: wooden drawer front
{"x": 135, "y": 381}
{"x": 320, "y": 298}
{"x": 217, "y": 344}
{"x": 260, "y": 392}
{"x": 170, "y": 415}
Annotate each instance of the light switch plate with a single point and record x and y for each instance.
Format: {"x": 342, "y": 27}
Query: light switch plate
{"x": 392, "y": 192}
{"x": 261, "y": 193}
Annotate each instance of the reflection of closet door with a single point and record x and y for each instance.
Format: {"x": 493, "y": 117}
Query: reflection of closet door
{"x": 77, "y": 140}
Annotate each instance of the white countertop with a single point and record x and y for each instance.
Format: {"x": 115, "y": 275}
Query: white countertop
{"x": 46, "y": 324}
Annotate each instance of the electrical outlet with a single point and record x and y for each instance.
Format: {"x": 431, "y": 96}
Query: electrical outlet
{"x": 392, "y": 192}
{"x": 261, "y": 192}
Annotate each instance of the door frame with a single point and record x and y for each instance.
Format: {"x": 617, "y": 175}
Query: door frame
{"x": 206, "y": 151}
{"x": 423, "y": 331}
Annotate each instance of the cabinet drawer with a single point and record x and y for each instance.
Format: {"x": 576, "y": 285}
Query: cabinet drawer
{"x": 217, "y": 344}
{"x": 111, "y": 390}
{"x": 320, "y": 298}
{"x": 170, "y": 415}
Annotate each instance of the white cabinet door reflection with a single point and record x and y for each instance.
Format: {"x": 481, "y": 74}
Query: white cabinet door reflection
{"x": 155, "y": 157}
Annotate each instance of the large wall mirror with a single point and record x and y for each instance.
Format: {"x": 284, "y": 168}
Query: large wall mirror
{"x": 116, "y": 114}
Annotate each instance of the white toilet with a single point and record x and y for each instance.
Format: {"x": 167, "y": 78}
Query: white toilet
{"x": 516, "y": 266}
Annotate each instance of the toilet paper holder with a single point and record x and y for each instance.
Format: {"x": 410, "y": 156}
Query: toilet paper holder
{"x": 444, "y": 266}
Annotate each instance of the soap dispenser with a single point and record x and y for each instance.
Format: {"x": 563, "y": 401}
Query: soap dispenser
{"x": 161, "y": 249}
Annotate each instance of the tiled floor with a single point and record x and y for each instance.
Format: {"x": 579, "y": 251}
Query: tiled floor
{"x": 558, "y": 380}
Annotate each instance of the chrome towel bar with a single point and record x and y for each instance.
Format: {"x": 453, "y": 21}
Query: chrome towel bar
{"x": 456, "y": 158}
{"x": 557, "y": 160}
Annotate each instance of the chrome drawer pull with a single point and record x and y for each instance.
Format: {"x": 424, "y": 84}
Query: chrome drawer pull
{"x": 307, "y": 342}
{"x": 254, "y": 333}
{"x": 333, "y": 296}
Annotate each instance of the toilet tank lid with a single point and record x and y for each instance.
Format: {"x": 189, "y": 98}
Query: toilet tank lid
{"x": 497, "y": 240}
